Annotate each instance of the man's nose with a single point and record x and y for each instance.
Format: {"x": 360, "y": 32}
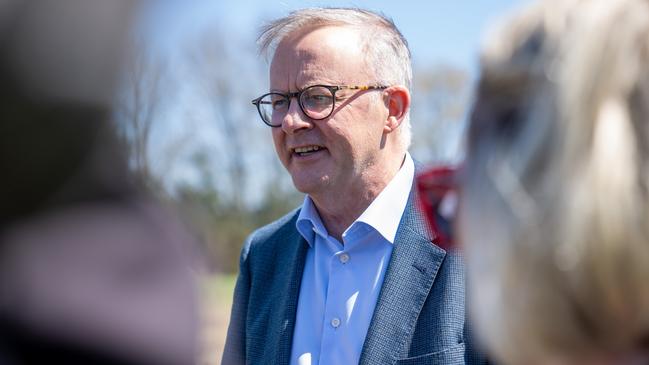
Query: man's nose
{"x": 295, "y": 120}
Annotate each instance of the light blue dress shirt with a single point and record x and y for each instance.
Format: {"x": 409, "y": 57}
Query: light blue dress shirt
{"x": 341, "y": 281}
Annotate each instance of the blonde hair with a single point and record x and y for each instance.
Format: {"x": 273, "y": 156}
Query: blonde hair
{"x": 386, "y": 49}
{"x": 555, "y": 207}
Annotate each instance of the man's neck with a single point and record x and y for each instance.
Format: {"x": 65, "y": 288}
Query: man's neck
{"x": 338, "y": 211}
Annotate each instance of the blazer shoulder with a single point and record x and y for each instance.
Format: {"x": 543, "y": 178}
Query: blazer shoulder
{"x": 279, "y": 228}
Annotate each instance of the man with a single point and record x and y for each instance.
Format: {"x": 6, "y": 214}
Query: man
{"x": 353, "y": 276}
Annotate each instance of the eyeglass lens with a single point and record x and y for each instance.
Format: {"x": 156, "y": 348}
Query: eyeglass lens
{"x": 315, "y": 101}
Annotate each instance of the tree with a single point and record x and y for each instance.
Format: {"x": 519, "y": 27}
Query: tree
{"x": 240, "y": 185}
{"x": 439, "y": 107}
{"x": 138, "y": 109}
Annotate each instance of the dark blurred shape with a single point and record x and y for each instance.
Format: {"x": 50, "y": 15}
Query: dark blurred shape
{"x": 92, "y": 270}
{"x": 59, "y": 65}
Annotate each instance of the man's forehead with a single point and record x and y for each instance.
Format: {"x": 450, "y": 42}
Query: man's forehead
{"x": 336, "y": 38}
{"x": 326, "y": 55}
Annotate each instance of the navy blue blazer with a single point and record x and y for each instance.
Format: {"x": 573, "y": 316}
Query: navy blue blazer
{"x": 419, "y": 316}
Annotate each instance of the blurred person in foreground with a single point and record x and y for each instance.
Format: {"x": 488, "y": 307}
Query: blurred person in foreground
{"x": 352, "y": 276}
{"x": 92, "y": 271}
{"x": 554, "y": 200}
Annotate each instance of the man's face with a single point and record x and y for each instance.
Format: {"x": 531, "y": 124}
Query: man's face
{"x": 349, "y": 142}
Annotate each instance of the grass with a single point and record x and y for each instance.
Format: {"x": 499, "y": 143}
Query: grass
{"x": 218, "y": 287}
{"x": 216, "y": 301}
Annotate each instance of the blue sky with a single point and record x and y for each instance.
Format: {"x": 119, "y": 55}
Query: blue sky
{"x": 439, "y": 32}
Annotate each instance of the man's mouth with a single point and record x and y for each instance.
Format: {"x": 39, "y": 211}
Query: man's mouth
{"x": 307, "y": 150}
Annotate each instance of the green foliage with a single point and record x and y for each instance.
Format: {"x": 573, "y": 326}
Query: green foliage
{"x": 218, "y": 288}
{"x": 221, "y": 225}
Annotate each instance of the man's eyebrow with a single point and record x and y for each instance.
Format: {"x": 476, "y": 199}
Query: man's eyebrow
{"x": 289, "y": 91}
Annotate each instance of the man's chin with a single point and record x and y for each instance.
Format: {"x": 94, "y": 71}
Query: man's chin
{"x": 310, "y": 185}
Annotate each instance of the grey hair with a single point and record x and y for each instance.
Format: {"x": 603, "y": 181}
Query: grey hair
{"x": 555, "y": 208}
{"x": 387, "y": 50}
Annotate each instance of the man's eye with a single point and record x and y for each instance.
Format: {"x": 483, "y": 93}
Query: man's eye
{"x": 279, "y": 104}
{"x": 318, "y": 99}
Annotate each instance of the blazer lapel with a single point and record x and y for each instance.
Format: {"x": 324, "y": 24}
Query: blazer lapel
{"x": 410, "y": 274}
{"x": 295, "y": 257}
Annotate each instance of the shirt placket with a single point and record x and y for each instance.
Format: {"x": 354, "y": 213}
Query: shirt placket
{"x": 335, "y": 329}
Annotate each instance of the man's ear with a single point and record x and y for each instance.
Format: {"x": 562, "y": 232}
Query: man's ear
{"x": 398, "y": 102}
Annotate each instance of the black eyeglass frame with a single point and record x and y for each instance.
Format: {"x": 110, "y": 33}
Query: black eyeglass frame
{"x": 298, "y": 95}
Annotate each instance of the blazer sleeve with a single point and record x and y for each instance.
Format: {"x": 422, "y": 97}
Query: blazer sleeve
{"x": 235, "y": 344}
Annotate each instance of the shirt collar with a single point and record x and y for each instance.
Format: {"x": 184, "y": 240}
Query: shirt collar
{"x": 309, "y": 223}
{"x": 383, "y": 214}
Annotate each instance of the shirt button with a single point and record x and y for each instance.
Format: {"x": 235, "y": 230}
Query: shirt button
{"x": 335, "y": 323}
{"x": 344, "y": 258}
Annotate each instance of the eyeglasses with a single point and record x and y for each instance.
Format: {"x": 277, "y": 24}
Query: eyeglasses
{"x": 316, "y": 102}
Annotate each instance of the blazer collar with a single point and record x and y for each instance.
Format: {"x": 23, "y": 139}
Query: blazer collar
{"x": 410, "y": 275}
{"x": 294, "y": 257}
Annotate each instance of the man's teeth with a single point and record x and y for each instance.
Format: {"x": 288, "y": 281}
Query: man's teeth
{"x": 307, "y": 149}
